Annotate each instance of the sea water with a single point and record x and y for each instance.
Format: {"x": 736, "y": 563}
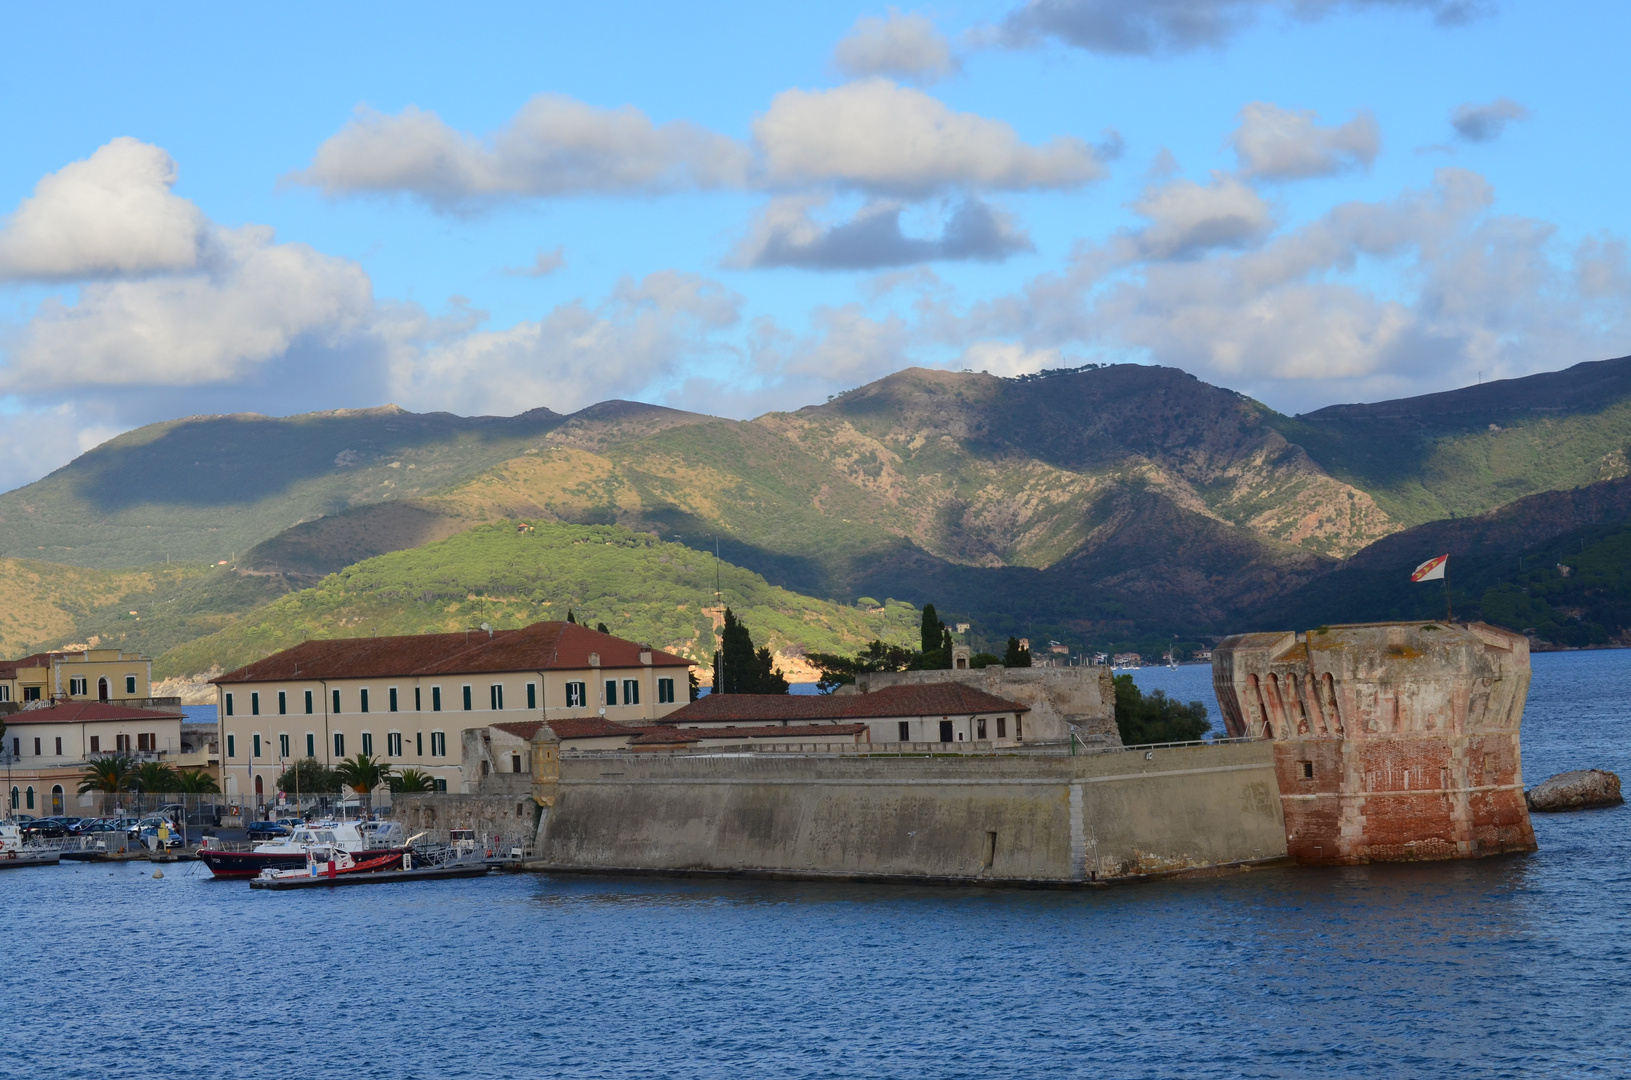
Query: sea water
{"x": 1515, "y": 966}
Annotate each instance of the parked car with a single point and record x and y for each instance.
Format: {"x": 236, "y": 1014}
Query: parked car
{"x": 149, "y": 834}
{"x": 44, "y": 829}
{"x": 266, "y": 830}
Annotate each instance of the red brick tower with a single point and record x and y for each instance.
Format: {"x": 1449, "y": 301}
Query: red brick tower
{"x": 1393, "y": 741}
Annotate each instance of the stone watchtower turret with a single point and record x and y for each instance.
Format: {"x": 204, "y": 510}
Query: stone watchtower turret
{"x": 1392, "y": 741}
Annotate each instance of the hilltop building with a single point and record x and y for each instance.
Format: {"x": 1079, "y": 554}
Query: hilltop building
{"x": 400, "y": 699}
{"x": 80, "y": 675}
{"x": 48, "y": 749}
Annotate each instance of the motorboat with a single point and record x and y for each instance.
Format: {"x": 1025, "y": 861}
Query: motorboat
{"x": 15, "y": 853}
{"x": 372, "y": 839}
{"x": 330, "y": 862}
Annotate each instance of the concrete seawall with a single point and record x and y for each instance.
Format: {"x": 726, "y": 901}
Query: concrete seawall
{"x": 1031, "y": 820}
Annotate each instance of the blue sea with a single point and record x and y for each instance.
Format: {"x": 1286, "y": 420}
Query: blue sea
{"x": 1509, "y": 967}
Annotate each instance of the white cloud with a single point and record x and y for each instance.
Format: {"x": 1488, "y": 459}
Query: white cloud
{"x": 1187, "y": 218}
{"x": 1289, "y": 322}
{"x": 544, "y": 263}
{"x": 1009, "y": 358}
{"x": 643, "y": 334}
{"x": 899, "y": 46}
{"x": 784, "y": 234}
{"x": 1485, "y": 123}
{"x": 878, "y": 137}
{"x": 1167, "y": 27}
{"x": 553, "y": 146}
{"x": 1288, "y": 144}
{"x": 112, "y": 213}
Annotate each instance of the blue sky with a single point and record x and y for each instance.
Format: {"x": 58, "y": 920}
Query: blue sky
{"x": 740, "y": 208}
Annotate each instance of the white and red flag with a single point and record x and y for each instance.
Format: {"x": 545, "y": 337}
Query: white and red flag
{"x": 1431, "y": 570}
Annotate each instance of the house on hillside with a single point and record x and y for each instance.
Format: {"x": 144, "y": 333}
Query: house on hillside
{"x": 409, "y": 700}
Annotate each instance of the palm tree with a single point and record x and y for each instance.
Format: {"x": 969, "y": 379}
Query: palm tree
{"x": 362, "y": 773}
{"x": 196, "y": 782}
{"x": 412, "y": 782}
{"x": 154, "y": 776}
{"x": 108, "y": 774}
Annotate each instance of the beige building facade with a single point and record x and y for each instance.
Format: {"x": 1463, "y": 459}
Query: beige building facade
{"x": 407, "y": 700}
{"x": 83, "y": 675}
{"x": 47, "y": 750}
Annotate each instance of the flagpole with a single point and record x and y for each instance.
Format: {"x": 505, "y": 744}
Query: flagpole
{"x": 1449, "y": 616}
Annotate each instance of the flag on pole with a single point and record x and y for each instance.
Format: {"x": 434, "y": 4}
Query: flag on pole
{"x": 1431, "y": 570}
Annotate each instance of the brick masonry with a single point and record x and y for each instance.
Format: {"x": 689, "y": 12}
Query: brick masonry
{"x": 1392, "y": 741}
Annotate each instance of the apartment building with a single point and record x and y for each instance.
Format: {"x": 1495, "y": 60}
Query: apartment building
{"x": 46, "y": 750}
{"x": 80, "y": 675}
{"x": 407, "y": 700}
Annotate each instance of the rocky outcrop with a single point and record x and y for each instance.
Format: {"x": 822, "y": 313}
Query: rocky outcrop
{"x": 1577, "y": 790}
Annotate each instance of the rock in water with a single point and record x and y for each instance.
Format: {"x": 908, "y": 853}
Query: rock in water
{"x": 1577, "y": 790}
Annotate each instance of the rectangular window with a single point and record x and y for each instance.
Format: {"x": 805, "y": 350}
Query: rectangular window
{"x": 1002, "y": 727}
{"x": 438, "y": 744}
{"x": 393, "y": 744}
{"x": 229, "y": 704}
{"x": 441, "y": 788}
{"x": 59, "y": 746}
{"x": 436, "y": 699}
{"x": 31, "y": 693}
{"x": 466, "y": 697}
{"x": 76, "y": 686}
{"x": 283, "y": 746}
{"x": 257, "y": 752}
{"x": 5, "y": 693}
{"x": 336, "y": 702}
{"x": 148, "y": 742}
{"x": 36, "y": 748}
{"x": 576, "y": 698}
{"x": 515, "y": 762}
{"x": 631, "y": 691}
{"x": 1307, "y": 768}
{"x": 282, "y": 703}
{"x": 905, "y": 731}
{"x": 339, "y": 744}
{"x": 419, "y": 743}
{"x": 232, "y": 746}
{"x": 121, "y": 744}
{"x": 1019, "y": 726}
{"x": 611, "y": 691}
{"x": 308, "y": 703}
{"x": 945, "y": 731}
{"x": 979, "y": 728}
{"x": 416, "y": 706}
{"x": 311, "y": 744}
{"x": 130, "y": 685}
{"x": 665, "y": 691}
{"x": 495, "y": 697}
{"x": 362, "y": 698}
{"x": 532, "y": 695}
{"x": 393, "y": 699}
{"x": 368, "y": 743}
{"x": 96, "y": 744}
{"x": 254, "y": 704}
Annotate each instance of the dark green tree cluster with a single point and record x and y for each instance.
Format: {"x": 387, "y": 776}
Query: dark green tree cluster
{"x": 1016, "y": 655}
{"x": 741, "y": 669}
{"x": 934, "y": 651}
{"x": 839, "y": 670}
{"x": 309, "y": 776}
{"x": 1155, "y": 718}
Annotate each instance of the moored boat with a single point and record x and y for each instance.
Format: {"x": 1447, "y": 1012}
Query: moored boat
{"x": 369, "y": 839}
{"x": 15, "y": 853}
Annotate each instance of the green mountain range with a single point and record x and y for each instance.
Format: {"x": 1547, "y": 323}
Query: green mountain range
{"x": 1098, "y": 505}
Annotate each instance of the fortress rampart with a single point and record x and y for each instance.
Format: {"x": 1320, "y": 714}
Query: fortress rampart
{"x": 988, "y": 819}
{"x": 1392, "y": 741}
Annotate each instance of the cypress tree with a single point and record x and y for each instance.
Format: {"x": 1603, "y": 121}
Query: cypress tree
{"x": 1016, "y": 656}
{"x": 931, "y": 631}
{"x": 746, "y": 670}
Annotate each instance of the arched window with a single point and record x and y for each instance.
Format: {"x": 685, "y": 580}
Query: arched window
{"x": 29, "y": 794}
{"x": 260, "y": 789}
{"x": 101, "y": 689}
{"x": 56, "y": 799}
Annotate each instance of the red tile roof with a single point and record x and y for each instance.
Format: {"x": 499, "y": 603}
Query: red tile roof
{"x": 578, "y": 727}
{"x": 88, "y": 712}
{"x": 934, "y": 699}
{"x": 544, "y": 646}
{"x": 666, "y": 736}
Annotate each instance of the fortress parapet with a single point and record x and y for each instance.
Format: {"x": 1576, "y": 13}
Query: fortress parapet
{"x": 1392, "y": 741}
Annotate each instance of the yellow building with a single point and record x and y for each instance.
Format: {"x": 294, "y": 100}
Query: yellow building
{"x": 48, "y": 749}
{"x": 86, "y": 675}
{"x": 407, "y": 700}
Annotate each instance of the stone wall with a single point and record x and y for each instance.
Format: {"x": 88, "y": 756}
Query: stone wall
{"x": 500, "y": 821}
{"x": 1392, "y": 741}
{"x": 1062, "y": 700}
{"x": 1057, "y": 820}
